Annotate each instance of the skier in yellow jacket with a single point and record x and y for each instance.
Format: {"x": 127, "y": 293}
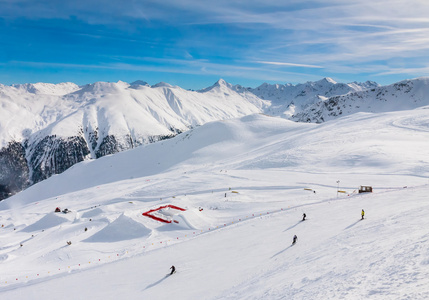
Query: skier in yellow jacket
{"x": 362, "y": 214}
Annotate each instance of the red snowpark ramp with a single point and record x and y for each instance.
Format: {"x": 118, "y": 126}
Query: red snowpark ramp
{"x": 150, "y": 215}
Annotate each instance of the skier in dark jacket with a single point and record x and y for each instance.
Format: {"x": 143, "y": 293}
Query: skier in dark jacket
{"x": 304, "y": 216}
{"x": 173, "y": 269}
{"x": 294, "y": 239}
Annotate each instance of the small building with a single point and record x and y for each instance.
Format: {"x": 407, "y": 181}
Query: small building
{"x": 365, "y": 189}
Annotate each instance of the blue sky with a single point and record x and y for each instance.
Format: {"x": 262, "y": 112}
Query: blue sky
{"x": 192, "y": 43}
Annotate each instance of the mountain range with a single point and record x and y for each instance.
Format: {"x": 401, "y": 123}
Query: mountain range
{"x": 47, "y": 128}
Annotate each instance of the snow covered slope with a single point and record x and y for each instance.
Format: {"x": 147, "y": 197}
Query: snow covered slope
{"x": 244, "y": 184}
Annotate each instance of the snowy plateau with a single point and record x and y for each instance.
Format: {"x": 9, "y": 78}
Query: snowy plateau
{"x": 243, "y": 165}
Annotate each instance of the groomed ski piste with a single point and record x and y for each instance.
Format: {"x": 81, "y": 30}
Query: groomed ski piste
{"x": 244, "y": 185}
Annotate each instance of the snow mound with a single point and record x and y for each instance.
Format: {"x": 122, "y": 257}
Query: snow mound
{"x": 48, "y": 221}
{"x": 182, "y": 221}
{"x": 179, "y": 222}
{"x": 123, "y": 228}
{"x": 189, "y": 219}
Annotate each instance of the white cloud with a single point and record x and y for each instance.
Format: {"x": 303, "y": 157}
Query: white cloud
{"x": 422, "y": 71}
{"x": 287, "y": 64}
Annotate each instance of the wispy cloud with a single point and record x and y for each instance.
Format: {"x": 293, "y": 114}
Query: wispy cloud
{"x": 421, "y": 71}
{"x": 276, "y": 63}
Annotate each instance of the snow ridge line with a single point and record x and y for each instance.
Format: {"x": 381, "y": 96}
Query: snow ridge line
{"x": 123, "y": 254}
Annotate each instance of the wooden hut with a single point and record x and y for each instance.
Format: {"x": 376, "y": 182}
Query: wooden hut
{"x": 365, "y": 189}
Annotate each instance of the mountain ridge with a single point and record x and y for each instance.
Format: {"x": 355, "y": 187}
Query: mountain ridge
{"x": 403, "y": 95}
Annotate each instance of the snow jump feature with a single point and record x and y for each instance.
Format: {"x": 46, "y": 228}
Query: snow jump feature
{"x": 164, "y": 213}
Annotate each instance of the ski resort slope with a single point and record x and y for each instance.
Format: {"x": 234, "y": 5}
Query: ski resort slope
{"x": 253, "y": 178}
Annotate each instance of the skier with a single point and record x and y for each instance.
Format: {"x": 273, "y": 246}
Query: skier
{"x": 173, "y": 270}
{"x": 362, "y": 214}
{"x": 294, "y": 239}
{"x": 304, "y": 216}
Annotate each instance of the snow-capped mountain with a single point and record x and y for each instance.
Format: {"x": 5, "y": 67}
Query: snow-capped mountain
{"x": 288, "y": 99}
{"x": 407, "y": 94}
{"x": 47, "y": 128}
